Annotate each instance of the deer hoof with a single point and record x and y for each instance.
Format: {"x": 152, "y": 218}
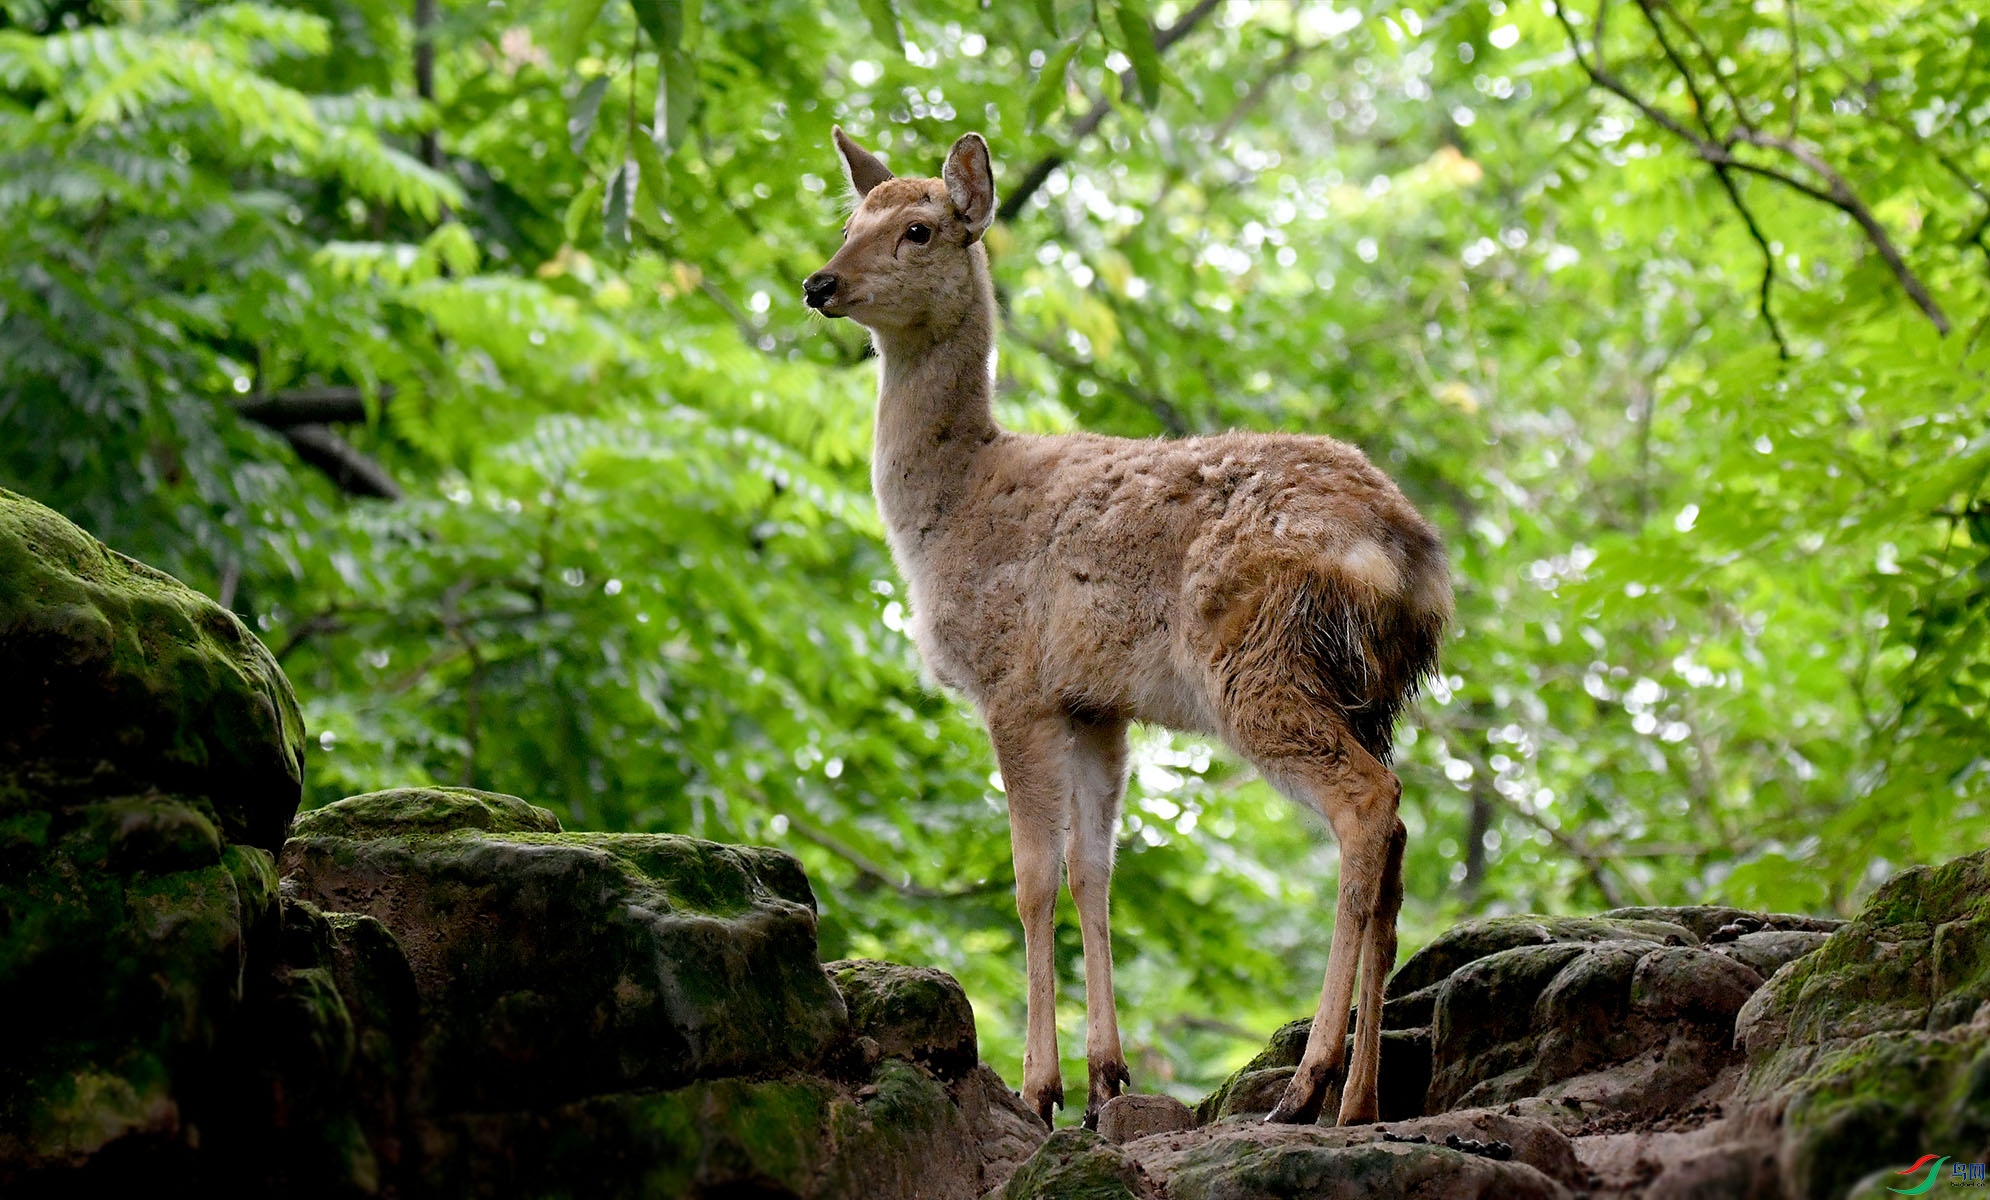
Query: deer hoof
{"x": 1108, "y": 1080}
{"x": 1364, "y": 1112}
{"x": 1044, "y": 1098}
{"x": 1298, "y": 1106}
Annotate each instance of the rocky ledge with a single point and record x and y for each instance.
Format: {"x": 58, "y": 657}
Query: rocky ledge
{"x": 1640, "y": 1053}
{"x": 439, "y": 992}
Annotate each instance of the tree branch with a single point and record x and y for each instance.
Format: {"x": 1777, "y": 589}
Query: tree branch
{"x": 1039, "y": 171}
{"x": 1591, "y": 861}
{"x": 353, "y": 472}
{"x": 431, "y": 150}
{"x": 1164, "y": 409}
{"x": 872, "y": 871}
{"x": 309, "y": 406}
{"x": 1720, "y": 154}
{"x": 1768, "y": 260}
{"x": 1707, "y": 56}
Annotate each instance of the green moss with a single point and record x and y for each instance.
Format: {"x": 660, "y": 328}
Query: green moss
{"x": 70, "y": 1114}
{"x": 1077, "y": 1164}
{"x": 1872, "y": 1041}
{"x": 408, "y": 812}
{"x": 606, "y": 976}
{"x": 1888, "y": 1097}
{"x": 772, "y": 1131}
{"x": 160, "y": 834}
{"x": 121, "y": 678}
{"x": 773, "y": 1137}
{"x": 913, "y": 1013}
{"x": 1286, "y": 1047}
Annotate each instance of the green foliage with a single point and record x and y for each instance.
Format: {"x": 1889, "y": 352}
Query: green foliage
{"x": 1722, "y": 551}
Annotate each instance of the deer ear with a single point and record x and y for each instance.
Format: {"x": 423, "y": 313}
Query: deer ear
{"x": 860, "y": 166}
{"x": 970, "y": 180}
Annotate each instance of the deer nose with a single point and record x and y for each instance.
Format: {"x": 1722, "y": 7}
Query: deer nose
{"x": 818, "y": 288}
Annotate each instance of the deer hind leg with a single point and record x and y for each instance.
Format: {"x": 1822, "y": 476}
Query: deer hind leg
{"x": 1033, "y": 755}
{"x": 1360, "y": 1099}
{"x": 1098, "y": 782}
{"x": 1358, "y": 796}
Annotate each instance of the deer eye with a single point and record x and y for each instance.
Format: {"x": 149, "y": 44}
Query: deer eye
{"x": 919, "y": 234}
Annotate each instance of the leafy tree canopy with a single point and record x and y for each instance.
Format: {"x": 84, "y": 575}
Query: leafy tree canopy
{"x": 456, "y": 345}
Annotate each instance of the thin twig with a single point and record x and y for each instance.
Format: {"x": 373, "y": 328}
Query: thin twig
{"x": 1706, "y": 55}
{"x": 1164, "y": 409}
{"x": 1796, "y": 66}
{"x": 1726, "y": 178}
{"x": 869, "y": 869}
{"x": 1834, "y": 192}
{"x": 1721, "y": 170}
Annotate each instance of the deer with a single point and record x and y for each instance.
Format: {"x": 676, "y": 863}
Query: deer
{"x": 1274, "y": 590}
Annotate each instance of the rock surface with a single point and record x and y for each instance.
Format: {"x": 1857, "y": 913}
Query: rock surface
{"x": 1248, "y": 1160}
{"x": 1077, "y": 1164}
{"x": 655, "y": 1019}
{"x": 1877, "y": 1047}
{"x": 447, "y": 995}
{"x": 1630, "y": 1012}
{"x": 150, "y": 757}
{"x": 1129, "y": 1117}
{"x": 914, "y": 1013}
{"x": 121, "y": 681}
{"x": 625, "y": 961}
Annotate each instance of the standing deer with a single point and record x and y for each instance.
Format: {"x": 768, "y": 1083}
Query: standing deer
{"x": 1275, "y": 590}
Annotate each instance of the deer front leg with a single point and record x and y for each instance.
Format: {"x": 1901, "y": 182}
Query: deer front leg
{"x": 1099, "y": 780}
{"x": 1032, "y": 758}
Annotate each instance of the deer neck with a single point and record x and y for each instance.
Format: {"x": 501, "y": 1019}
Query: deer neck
{"x": 935, "y": 413}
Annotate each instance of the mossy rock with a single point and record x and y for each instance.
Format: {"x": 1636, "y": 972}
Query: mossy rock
{"x": 122, "y": 680}
{"x": 914, "y": 1013}
{"x": 311, "y": 1086}
{"x": 409, "y": 812}
{"x": 1296, "y": 1163}
{"x": 1241, "y": 1094}
{"x": 1470, "y": 941}
{"x": 1706, "y": 921}
{"x": 1255, "y": 1087}
{"x": 1877, "y": 1046}
{"x": 1077, "y": 1164}
{"x": 126, "y": 930}
{"x": 558, "y": 965}
{"x": 899, "y": 1136}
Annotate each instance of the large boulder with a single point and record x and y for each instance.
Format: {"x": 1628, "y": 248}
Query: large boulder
{"x": 897, "y": 1133}
{"x": 121, "y": 680}
{"x": 447, "y": 995}
{"x": 1463, "y": 1155}
{"x": 1876, "y": 1049}
{"x": 1255, "y": 1088}
{"x": 648, "y": 1014}
{"x": 554, "y": 966}
{"x": 1630, "y": 1012}
{"x": 150, "y": 760}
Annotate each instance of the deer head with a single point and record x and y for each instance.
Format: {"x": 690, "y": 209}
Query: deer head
{"x": 911, "y": 256}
